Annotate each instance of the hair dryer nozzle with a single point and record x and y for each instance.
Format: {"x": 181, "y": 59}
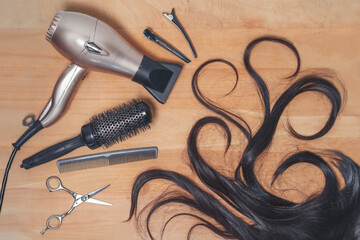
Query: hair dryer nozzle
{"x": 157, "y": 77}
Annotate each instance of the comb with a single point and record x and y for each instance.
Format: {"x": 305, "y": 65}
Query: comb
{"x": 106, "y": 159}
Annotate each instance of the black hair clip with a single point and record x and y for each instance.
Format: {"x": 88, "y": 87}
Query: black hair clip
{"x": 151, "y": 36}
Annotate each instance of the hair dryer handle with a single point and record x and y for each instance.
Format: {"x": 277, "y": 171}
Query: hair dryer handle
{"x": 62, "y": 93}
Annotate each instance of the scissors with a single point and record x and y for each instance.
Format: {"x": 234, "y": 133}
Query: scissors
{"x": 78, "y": 199}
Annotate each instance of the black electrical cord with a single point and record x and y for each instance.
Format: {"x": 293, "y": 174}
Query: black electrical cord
{"x": 3, "y": 185}
{"x": 34, "y": 127}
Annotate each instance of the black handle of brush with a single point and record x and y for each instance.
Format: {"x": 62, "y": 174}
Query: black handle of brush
{"x": 53, "y": 152}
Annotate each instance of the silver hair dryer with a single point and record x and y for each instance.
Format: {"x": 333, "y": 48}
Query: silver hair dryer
{"x": 91, "y": 44}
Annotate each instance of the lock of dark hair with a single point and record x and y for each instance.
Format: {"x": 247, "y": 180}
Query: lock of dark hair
{"x": 240, "y": 207}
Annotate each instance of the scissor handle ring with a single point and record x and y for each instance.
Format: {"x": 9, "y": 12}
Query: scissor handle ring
{"x": 59, "y": 218}
{"x": 51, "y": 189}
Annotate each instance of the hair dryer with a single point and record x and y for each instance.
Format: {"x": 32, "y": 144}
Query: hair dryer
{"x": 91, "y": 44}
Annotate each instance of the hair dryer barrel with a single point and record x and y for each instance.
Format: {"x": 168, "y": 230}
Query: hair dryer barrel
{"x": 92, "y": 44}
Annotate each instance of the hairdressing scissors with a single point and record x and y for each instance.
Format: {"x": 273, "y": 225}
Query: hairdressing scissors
{"x": 78, "y": 199}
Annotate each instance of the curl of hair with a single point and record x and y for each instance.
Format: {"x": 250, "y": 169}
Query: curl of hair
{"x": 332, "y": 214}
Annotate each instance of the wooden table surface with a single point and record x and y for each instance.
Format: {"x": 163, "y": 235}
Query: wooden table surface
{"x": 326, "y": 33}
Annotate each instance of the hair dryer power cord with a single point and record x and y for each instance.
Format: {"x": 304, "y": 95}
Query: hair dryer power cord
{"x": 3, "y": 185}
{"x": 34, "y": 127}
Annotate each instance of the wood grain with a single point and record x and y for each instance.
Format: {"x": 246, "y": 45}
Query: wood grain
{"x": 326, "y": 33}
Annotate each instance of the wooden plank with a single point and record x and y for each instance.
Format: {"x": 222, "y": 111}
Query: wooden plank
{"x": 326, "y": 33}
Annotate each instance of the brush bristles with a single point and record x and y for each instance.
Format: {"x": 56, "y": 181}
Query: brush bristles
{"x": 120, "y": 123}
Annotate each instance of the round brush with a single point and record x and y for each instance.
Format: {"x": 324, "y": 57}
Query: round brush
{"x": 105, "y": 129}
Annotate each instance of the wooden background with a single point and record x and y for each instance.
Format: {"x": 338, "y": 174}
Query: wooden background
{"x": 326, "y": 33}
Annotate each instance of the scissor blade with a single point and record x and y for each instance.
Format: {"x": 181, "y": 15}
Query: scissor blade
{"x": 92, "y": 200}
{"x": 90, "y": 195}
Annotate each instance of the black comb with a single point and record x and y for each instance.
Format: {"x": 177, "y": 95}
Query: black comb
{"x": 105, "y": 129}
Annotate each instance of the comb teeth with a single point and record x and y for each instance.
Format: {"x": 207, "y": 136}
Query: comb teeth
{"x": 120, "y": 123}
{"x": 80, "y": 165}
{"x": 53, "y": 25}
{"x": 106, "y": 159}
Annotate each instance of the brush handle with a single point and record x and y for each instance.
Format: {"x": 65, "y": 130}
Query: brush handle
{"x": 53, "y": 152}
